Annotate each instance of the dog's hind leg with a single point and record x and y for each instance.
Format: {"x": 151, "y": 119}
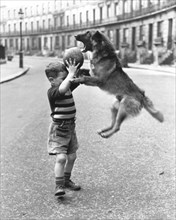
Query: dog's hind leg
{"x": 114, "y": 110}
{"x": 121, "y": 116}
{"x": 128, "y": 107}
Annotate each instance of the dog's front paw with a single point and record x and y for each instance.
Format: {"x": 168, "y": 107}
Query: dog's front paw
{"x": 78, "y": 80}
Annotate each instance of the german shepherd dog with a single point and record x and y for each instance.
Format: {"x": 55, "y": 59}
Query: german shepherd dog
{"x": 106, "y": 73}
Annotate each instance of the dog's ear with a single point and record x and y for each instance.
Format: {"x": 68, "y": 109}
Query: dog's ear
{"x": 88, "y": 34}
{"x": 97, "y": 36}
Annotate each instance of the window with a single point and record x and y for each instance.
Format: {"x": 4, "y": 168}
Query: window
{"x": 117, "y": 39}
{"x": 159, "y": 29}
{"x": 150, "y": 37}
{"x": 5, "y": 43}
{"x": 61, "y": 20}
{"x": 43, "y": 24}
{"x": 133, "y": 43}
{"x": 116, "y": 8}
{"x": 94, "y": 16}
{"x": 49, "y": 7}
{"x": 32, "y": 26}
{"x": 45, "y": 42}
{"x": 108, "y": 11}
{"x": 169, "y": 40}
{"x": 63, "y": 42}
{"x": 28, "y": 44}
{"x": 126, "y": 8}
{"x": 144, "y": 4}
{"x": 43, "y": 9}
{"x": 14, "y": 27}
{"x": 11, "y": 43}
{"x": 25, "y": 11}
{"x": 25, "y": 26}
{"x": 51, "y": 43}
{"x": 74, "y": 19}
{"x": 37, "y": 10}
{"x": 87, "y": 16}
{"x": 34, "y": 43}
{"x": 55, "y": 22}
{"x": 57, "y": 42}
{"x": 80, "y": 17}
{"x": 67, "y": 20}
{"x": 68, "y": 40}
{"x": 37, "y": 25}
{"x": 101, "y": 13}
{"x": 49, "y": 23}
{"x": 14, "y": 13}
{"x": 141, "y": 32}
{"x": 125, "y": 35}
{"x": 31, "y": 11}
{"x": 16, "y": 42}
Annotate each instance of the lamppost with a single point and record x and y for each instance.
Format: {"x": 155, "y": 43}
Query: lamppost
{"x": 21, "y": 46}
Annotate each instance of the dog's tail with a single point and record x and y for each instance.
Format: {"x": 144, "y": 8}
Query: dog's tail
{"x": 148, "y": 105}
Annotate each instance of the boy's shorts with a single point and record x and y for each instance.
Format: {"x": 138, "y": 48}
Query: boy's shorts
{"x": 62, "y": 137}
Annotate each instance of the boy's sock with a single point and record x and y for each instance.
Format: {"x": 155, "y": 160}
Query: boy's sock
{"x": 67, "y": 177}
{"x": 60, "y": 181}
{"x": 59, "y": 191}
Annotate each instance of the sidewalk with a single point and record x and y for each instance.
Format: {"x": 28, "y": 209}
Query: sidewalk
{"x": 10, "y": 70}
{"x": 153, "y": 67}
{"x": 164, "y": 68}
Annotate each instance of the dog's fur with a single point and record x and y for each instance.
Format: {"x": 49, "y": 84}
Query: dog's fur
{"x": 106, "y": 73}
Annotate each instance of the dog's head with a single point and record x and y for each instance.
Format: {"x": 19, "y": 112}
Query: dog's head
{"x": 86, "y": 39}
{"x": 92, "y": 39}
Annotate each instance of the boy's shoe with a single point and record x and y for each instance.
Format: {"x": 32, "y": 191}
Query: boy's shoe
{"x": 59, "y": 191}
{"x": 72, "y": 186}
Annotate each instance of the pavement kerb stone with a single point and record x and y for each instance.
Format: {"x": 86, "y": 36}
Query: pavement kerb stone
{"x": 14, "y": 76}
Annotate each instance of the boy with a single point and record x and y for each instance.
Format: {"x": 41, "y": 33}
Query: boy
{"x": 62, "y": 140}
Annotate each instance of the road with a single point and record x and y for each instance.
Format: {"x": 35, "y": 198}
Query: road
{"x": 130, "y": 176}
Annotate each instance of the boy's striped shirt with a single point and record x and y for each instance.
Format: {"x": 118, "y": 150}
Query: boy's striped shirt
{"x": 62, "y": 106}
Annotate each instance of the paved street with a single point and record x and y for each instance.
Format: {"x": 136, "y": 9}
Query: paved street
{"x": 130, "y": 176}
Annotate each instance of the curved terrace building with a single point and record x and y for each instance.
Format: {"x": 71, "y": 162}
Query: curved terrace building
{"x": 142, "y": 30}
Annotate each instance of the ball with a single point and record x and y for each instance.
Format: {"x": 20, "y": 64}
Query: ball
{"x": 74, "y": 53}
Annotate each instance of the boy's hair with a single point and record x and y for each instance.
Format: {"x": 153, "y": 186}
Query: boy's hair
{"x": 53, "y": 69}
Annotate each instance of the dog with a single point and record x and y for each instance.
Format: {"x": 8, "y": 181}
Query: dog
{"x": 106, "y": 72}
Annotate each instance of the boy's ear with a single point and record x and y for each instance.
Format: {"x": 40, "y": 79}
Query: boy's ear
{"x": 51, "y": 79}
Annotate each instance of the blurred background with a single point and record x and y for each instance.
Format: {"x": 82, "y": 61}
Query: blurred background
{"x": 142, "y": 31}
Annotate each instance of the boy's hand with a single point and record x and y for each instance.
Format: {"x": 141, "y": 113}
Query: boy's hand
{"x": 72, "y": 67}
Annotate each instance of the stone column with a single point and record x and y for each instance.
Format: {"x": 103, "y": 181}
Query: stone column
{"x": 158, "y": 44}
{"x": 123, "y": 51}
{"x": 140, "y": 47}
{"x": 175, "y": 50}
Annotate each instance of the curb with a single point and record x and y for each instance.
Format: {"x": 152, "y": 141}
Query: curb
{"x": 15, "y": 75}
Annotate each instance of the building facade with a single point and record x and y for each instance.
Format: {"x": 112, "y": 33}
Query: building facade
{"x": 142, "y": 30}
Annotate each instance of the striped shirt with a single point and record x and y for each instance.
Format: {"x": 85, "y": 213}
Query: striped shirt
{"x": 62, "y": 106}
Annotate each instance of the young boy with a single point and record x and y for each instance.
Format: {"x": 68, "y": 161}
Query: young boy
{"x": 62, "y": 140}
